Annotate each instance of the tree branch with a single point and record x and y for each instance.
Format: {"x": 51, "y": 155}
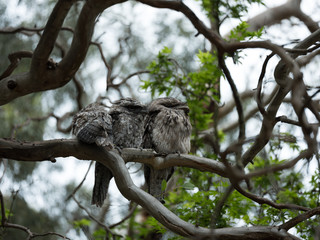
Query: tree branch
{"x": 14, "y": 61}
{"x": 41, "y": 78}
{"x": 45, "y": 46}
{"x": 40, "y": 151}
{"x": 51, "y": 149}
{"x": 6, "y": 224}
{"x": 179, "y": 6}
{"x": 300, "y": 218}
{"x": 108, "y": 230}
{"x": 275, "y": 15}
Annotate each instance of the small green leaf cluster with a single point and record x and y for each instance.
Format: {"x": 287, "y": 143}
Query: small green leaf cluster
{"x": 241, "y": 32}
{"x": 78, "y": 224}
{"x": 227, "y": 9}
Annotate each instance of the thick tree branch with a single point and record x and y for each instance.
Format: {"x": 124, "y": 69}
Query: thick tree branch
{"x": 51, "y": 149}
{"x": 41, "y": 78}
{"x": 45, "y": 46}
{"x": 39, "y": 151}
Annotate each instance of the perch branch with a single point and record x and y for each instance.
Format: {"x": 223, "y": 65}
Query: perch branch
{"x": 41, "y": 151}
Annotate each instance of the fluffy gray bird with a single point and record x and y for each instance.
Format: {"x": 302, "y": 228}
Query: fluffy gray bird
{"x": 168, "y": 130}
{"x": 123, "y": 127}
{"x": 128, "y": 119}
{"x": 91, "y": 125}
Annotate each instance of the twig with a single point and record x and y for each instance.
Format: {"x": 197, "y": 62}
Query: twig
{"x": 108, "y": 66}
{"x": 126, "y": 217}
{"x": 14, "y": 61}
{"x": 108, "y": 230}
{"x": 27, "y": 122}
{"x": 217, "y": 210}
{"x": 80, "y": 92}
{"x": 80, "y": 184}
{"x": 259, "y": 87}
{"x": 31, "y": 235}
{"x": 235, "y": 96}
{"x": 35, "y": 235}
{"x": 262, "y": 200}
{"x": 60, "y": 122}
{"x": 278, "y": 167}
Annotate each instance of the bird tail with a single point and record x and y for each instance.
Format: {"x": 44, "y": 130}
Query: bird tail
{"x": 154, "y": 179}
{"x": 101, "y": 184}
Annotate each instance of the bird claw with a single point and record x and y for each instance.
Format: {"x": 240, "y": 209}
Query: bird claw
{"x": 119, "y": 150}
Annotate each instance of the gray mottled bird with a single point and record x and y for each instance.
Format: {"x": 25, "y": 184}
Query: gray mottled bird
{"x": 125, "y": 127}
{"x": 168, "y": 130}
{"x": 93, "y": 124}
{"x": 128, "y": 120}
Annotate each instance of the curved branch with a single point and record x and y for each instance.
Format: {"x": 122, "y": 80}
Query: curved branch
{"x": 44, "y": 48}
{"x": 235, "y": 96}
{"x": 277, "y": 14}
{"x": 82, "y": 35}
{"x": 41, "y": 151}
{"x": 51, "y": 149}
{"x": 14, "y": 61}
{"x": 179, "y": 6}
{"x": 41, "y": 78}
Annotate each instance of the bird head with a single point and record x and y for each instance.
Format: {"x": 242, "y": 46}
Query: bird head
{"x": 168, "y": 102}
{"x": 128, "y": 105}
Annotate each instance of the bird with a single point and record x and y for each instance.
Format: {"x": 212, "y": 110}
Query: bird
{"x": 93, "y": 125}
{"x": 168, "y": 130}
{"x": 128, "y": 120}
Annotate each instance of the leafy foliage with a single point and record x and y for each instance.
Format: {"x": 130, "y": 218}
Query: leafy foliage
{"x": 241, "y": 32}
{"x": 227, "y": 9}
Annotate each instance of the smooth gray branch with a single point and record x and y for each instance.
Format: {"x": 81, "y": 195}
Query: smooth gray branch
{"x": 48, "y": 150}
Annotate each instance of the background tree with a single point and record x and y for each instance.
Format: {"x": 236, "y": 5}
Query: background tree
{"x": 250, "y": 82}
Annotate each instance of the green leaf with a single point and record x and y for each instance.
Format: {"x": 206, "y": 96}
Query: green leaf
{"x": 81, "y": 222}
{"x": 188, "y": 186}
{"x": 163, "y": 185}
